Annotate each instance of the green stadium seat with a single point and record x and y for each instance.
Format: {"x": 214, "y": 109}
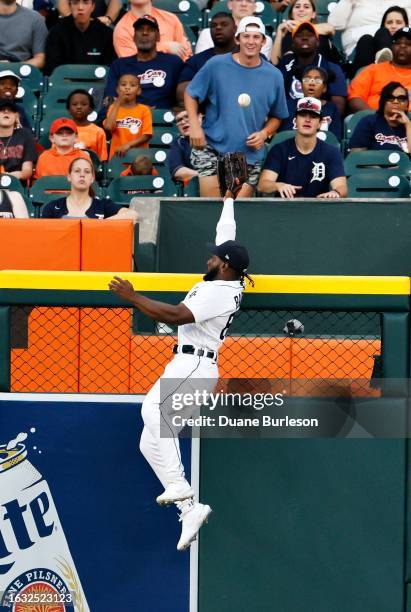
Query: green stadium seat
{"x": 31, "y": 77}
{"x": 29, "y": 101}
{"x": 116, "y": 165}
{"x": 11, "y": 183}
{"x": 124, "y": 188}
{"x": 163, "y": 137}
{"x": 382, "y": 184}
{"x": 192, "y": 189}
{"x": 350, "y": 123}
{"x": 48, "y": 188}
{"x": 375, "y": 161}
{"x": 78, "y": 75}
{"x": 327, "y": 137}
{"x": 162, "y": 117}
{"x": 188, "y": 12}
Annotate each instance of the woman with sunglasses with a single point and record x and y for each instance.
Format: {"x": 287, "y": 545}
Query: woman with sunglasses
{"x": 389, "y": 127}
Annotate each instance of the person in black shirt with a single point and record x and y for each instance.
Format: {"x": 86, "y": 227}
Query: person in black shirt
{"x": 81, "y": 201}
{"x": 79, "y": 39}
{"x": 17, "y": 145}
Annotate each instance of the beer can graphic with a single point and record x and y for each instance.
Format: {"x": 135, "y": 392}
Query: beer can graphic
{"x": 37, "y": 571}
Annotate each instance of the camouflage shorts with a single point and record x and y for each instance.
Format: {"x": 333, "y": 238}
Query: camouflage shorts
{"x": 205, "y": 162}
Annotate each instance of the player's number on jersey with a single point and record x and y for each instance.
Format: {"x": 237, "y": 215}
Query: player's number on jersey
{"x": 224, "y": 331}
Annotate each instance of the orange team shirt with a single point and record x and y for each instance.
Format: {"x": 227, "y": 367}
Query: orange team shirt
{"x": 51, "y": 163}
{"x": 369, "y": 83}
{"x": 131, "y": 123}
{"x": 93, "y": 137}
{"x": 171, "y": 30}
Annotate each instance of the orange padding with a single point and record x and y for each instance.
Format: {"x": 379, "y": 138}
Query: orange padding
{"x": 66, "y": 244}
{"x": 93, "y": 351}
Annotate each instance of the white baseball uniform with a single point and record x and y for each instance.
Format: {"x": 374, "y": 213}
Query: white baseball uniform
{"x": 213, "y": 304}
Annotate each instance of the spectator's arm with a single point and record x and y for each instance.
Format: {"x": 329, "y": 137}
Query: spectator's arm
{"x": 340, "y": 14}
{"x": 110, "y": 121}
{"x": 360, "y": 88}
{"x": 63, "y": 8}
{"x": 38, "y": 41}
{"x": 37, "y": 60}
{"x": 356, "y": 149}
{"x": 358, "y": 104}
{"x": 340, "y": 102}
{"x": 179, "y": 45}
{"x": 204, "y": 41}
{"x": 18, "y": 205}
{"x": 181, "y": 87}
{"x": 280, "y": 5}
{"x": 327, "y": 29}
{"x": 125, "y": 213}
{"x": 54, "y": 52}
{"x": 25, "y": 172}
{"x": 137, "y": 142}
{"x": 113, "y": 10}
{"x": 338, "y": 189}
{"x": 276, "y": 50}
{"x": 184, "y": 173}
{"x": 123, "y": 43}
{"x": 197, "y": 136}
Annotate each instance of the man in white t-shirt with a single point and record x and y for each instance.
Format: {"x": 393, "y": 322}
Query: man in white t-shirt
{"x": 203, "y": 319}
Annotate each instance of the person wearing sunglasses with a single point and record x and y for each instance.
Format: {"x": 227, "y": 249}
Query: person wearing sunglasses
{"x": 389, "y": 127}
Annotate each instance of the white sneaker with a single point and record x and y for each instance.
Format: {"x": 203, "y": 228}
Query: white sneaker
{"x": 175, "y": 492}
{"x": 192, "y": 521}
{"x": 383, "y": 55}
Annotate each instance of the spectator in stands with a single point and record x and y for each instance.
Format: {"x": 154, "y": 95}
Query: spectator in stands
{"x": 365, "y": 90}
{"x": 303, "y": 10}
{"x": 389, "y": 127}
{"x": 17, "y": 144}
{"x": 9, "y": 85}
{"x": 314, "y": 82}
{"x": 107, "y": 13}
{"x": 158, "y": 72}
{"x": 304, "y": 166}
{"x": 377, "y": 48}
{"x": 305, "y": 53}
{"x": 222, "y": 29}
{"x": 227, "y": 125}
{"x": 179, "y": 157}
{"x": 171, "y": 39}
{"x": 141, "y": 166}
{"x": 81, "y": 201}
{"x": 129, "y": 122}
{"x": 354, "y": 18}
{"x": 12, "y": 205}
{"x": 23, "y": 34}
{"x": 80, "y": 105}
{"x": 239, "y": 9}
{"x": 79, "y": 39}
{"x": 56, "y": 161}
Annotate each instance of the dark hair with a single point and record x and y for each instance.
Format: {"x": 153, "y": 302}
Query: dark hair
{"x": 299, "y": 71}
{"x": 83, "y": 92}
{"x": 394, "y": 9}
{"x": 293, "y": 2}
{"x": 222, "y": 14}
{"x": 386, "y": 93}
{"x": 327, "y": 75}
{"x": 91, "y": 191}
{"x": 243, "y": 276}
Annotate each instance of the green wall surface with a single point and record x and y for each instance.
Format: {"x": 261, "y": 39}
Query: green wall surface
{"x": 358, "y": 237}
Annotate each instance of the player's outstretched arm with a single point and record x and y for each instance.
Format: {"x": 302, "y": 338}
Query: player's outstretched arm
{"x": 226, "y": 226}
{"x": 158, "y": 311}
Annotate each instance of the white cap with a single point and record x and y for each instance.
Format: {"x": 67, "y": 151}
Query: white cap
{"x": 9, "y": 73}
{"x": 251, "y": 24}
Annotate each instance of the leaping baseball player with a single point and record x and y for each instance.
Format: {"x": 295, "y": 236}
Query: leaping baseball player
{"x": 203, "y": 319}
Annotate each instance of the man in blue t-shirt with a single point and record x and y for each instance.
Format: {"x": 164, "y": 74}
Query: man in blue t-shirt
{"x": 235, "y": 122}
{"x": 304, "y": 166}
{"x": 306, "y": 42}
{"x": 158, "y": 72}
{"x": 222, "y": 30}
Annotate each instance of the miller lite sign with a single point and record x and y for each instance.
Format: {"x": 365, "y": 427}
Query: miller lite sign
{"x": 37, "y": 572}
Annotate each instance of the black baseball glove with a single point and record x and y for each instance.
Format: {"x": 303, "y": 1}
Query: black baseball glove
{"x": 232, "y": 172}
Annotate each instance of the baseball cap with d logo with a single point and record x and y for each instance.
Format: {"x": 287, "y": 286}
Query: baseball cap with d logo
{"x": 232, "y": 252}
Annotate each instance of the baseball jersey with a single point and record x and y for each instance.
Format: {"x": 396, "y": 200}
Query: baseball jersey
{"x": 213, "y": 304}
{"x": 373, "y": 132}
{"x": 313, "y": 171}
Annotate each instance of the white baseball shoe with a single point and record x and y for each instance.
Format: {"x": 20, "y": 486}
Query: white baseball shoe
{"x": 175, "y": 492}
{"x": 192, "y": 520}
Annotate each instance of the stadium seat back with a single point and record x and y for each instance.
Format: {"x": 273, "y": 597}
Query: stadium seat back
{"x": 382, "y": 184}
{"x": 162, "y": 117}
{"x": 163, "y": 137}
{"x": 188, "y": 11}
{"x": 124, "y": 188}
{"x": 327, "y": 137}
{"x": 116, "y": 165}
{"x": 31, "y": 77}
{"x": 11, "y": 183}
{"x": 48, "y": 188}
{"x": 375, "y": 161}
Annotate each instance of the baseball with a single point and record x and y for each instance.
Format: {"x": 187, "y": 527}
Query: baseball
{"x": 244, "y": 99}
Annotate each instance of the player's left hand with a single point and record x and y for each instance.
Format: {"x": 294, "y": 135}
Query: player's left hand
{"x": 122, "y": 288}
{"x": 256, "y": 140}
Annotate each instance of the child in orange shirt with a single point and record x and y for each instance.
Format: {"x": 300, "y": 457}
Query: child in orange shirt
{"x": 129, "y": 122}
{"x": 80, "y": 105}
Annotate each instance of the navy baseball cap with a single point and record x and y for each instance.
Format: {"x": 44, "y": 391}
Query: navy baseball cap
{"x": 146, "y": 19}
{"x": 234, "y": 253}
{"x": 10, "y": 104}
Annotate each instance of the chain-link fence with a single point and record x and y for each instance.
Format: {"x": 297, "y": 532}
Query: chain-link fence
{"x": 99, "y": 350}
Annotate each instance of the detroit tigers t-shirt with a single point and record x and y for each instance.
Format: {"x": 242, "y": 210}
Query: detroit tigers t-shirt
{"x": 158, "y": 78}
{"x": 213, "y": 304}
{"x": 313, "y": 171}
{"x": 373, "y": 132}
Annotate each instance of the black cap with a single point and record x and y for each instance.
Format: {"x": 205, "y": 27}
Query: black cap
{"x": 4, "y": 103}
{"x": 148, "y": 19}
{"x": 400, "y": 33}
{"x": 234, "y": 253}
